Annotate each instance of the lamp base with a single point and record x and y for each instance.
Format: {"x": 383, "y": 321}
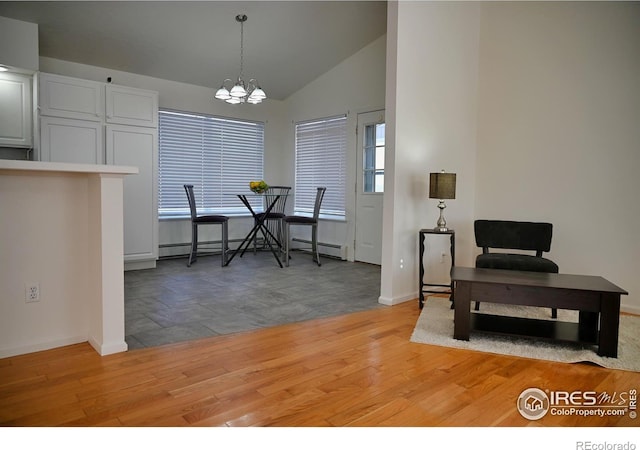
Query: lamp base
{"x": 441, "y": 224}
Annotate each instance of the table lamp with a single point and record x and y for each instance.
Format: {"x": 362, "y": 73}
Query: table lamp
{"x": 442, "y": 186}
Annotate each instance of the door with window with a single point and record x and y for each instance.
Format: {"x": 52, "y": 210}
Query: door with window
{"x": 369, "y": 187}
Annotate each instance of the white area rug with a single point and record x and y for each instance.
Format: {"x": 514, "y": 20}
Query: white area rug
{"x": 435, "y": 327}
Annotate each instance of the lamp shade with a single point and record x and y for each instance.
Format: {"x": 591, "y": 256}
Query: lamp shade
{"x": 442, "y": 185}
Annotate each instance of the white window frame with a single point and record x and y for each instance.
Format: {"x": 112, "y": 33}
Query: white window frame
{"x": 219, "y": 156}
{"x": 321, "y": 160}
{"x": 373, "y": 159}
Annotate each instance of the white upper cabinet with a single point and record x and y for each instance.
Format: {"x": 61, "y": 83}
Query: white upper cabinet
{"x": 73, "y": 98}
{"x": 129, "y": 106}
{"x": 71, "y": 141}
{"x": 15, "y": 110}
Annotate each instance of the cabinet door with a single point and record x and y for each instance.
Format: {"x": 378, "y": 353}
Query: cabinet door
{"x": 137, "y": 146}
{"x": 71, "y": 141}
{"x": 130, "y": 106}
{"x": 15, "y": 110}
{"x": 70, "y": 97}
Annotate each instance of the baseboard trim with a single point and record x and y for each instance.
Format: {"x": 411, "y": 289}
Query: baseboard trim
{"x": 140, "y": 265}
{"x": 397, "y": 300}
{"x": 630, "y": 309}
{"x": 341, "y": 252}
{"x": 41, "y": 346}
{"x": 108, "y": 349}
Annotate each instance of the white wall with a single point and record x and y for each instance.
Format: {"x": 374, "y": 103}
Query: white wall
{"x": 61, "y": 228}
{"x": 559, "y": 130}
{"x": 19, "y": 44}
{"x": 535, "y": 105}
{"x": 388, "y": 275}
{"x": 355, "y": 85}
{"x": 30, "y": 255}
{"x": 432, "y": 123}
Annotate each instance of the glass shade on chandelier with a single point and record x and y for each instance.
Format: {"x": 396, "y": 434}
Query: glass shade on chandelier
{"x": 241, "y": 91}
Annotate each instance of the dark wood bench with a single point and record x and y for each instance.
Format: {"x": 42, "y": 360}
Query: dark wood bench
{"x": 514, "y": 235}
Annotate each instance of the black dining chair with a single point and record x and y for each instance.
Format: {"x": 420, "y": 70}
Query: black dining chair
{"x": 308, "y": 221}
{"x": 274, "y": 220}
{"x": 197, "y": 220}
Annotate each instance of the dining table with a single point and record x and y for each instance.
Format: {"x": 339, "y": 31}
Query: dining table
{"x": 259, "y": 226}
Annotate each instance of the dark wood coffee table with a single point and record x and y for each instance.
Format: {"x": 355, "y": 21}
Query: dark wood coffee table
{"x": 597, "y": 300}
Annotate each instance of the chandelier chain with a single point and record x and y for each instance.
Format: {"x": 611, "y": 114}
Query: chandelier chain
{"x": 241, "y": 47}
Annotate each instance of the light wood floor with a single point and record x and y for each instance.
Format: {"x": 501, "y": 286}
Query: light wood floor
{"x": 354, "y": 370}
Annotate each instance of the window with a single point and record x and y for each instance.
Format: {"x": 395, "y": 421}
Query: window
{"x": 321, "y": 161}
{"x": 218, "y": 156}
{"x": 373, "y": 170}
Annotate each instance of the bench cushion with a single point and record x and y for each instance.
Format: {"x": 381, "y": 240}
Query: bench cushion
{"x": 510, "y": 261}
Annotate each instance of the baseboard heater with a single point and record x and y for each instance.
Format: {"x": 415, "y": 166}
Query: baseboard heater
{"x": 218, "y": 242}
{"x": 200, "y": 245}
{"x": 322, "y": 244}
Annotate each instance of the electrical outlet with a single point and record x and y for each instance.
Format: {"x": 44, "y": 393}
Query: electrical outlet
{"x": 32, "y": 292}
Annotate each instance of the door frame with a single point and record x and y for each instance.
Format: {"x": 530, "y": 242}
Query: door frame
{"x": 358, "y": 176}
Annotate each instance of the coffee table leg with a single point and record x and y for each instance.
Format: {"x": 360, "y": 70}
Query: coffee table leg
{"x": 421, "y": 237}
{"x": 609, "y": 325}
{"x": 588, "y": 326}
{"x": 462, "y": 311}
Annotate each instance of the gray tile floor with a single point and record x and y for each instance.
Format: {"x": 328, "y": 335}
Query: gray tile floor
{"x": 174, "y": 303}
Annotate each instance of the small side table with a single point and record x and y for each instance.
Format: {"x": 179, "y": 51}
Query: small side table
{"x": 424, "y": 286}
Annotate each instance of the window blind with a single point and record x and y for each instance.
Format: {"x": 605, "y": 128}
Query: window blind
{"x": 321, "y": 155}
{"x": 218, "y": 156}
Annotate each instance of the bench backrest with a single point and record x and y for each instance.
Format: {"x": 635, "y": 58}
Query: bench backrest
{"x": 510, "y": 234}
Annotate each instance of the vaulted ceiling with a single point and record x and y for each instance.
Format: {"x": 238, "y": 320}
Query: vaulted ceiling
{"x": 287, "y": 44}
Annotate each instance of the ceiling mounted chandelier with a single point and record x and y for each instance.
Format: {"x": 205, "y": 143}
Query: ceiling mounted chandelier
{"x": 241, "y": 92}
